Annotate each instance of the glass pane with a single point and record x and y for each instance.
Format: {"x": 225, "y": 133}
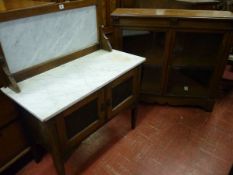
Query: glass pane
{"x": 148, "y": 44}
{"x": 193, "y": 82}
{"x": 81, "y": 118}
{"x": 151, "y": 79}
{"x": 196, "y": 49}
{"x": 122, "y": 92}
{"x": 151, "y": 45}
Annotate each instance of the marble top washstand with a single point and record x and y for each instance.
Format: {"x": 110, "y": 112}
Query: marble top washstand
{"x": 47, "y": 94}
{"x": 30, "y": 41}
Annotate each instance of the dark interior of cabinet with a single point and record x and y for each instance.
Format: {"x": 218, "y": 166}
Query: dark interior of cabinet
{"x": 81, "y": 118}
{"x": 122, "y": 91}
{"x": 151, "y": 45}
{"x": 148, "y": 44}
{"x": 196, "y": 49}
{"x": 151, "y": 79}
{"x": 154, "y": 4}
{"x": 192, "y": 82}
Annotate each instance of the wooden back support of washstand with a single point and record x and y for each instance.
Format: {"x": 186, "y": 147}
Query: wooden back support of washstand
{"x": 10, "y": 79}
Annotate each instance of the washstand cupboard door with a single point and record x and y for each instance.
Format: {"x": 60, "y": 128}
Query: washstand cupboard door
{"x": 13, "y": 143}
{"x": 122, "y": 93}
{"x": 8, "y": 111}
{"x": 82, "y": 119}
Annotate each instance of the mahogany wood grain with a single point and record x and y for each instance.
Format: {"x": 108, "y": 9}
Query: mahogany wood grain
{"x": 27, "y": 10}
{"x": 166, "y": 13}
{"x": 10, "y": 5}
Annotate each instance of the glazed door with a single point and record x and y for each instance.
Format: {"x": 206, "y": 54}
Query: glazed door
{"x": 123, "y": 92}
{"x": 151, "y": 45}
{"x": 193, "y": 63}
{"x": 81, "y": 120}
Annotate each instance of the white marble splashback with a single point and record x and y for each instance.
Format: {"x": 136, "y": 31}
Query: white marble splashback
{"x": 47, "y": 94}
{"x": 30, "y": 41}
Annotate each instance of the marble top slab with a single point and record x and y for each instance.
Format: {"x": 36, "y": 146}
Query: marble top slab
{"x": 47, "y": 94}
{"x": 30, "y": 41}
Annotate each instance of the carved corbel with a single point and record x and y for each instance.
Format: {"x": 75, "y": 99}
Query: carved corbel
{"x": 104, "y": 41}
{"x": 12, "y": 84}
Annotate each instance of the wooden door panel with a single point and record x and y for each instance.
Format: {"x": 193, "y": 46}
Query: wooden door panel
{"x": 8, "y": 110}
{"x": 12, "y": 141}
{"x": 122, "y": 92}
{"x": 80, "y": 120}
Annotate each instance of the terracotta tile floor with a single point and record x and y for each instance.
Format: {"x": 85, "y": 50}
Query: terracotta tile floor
{"x": 166, "y": 141}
